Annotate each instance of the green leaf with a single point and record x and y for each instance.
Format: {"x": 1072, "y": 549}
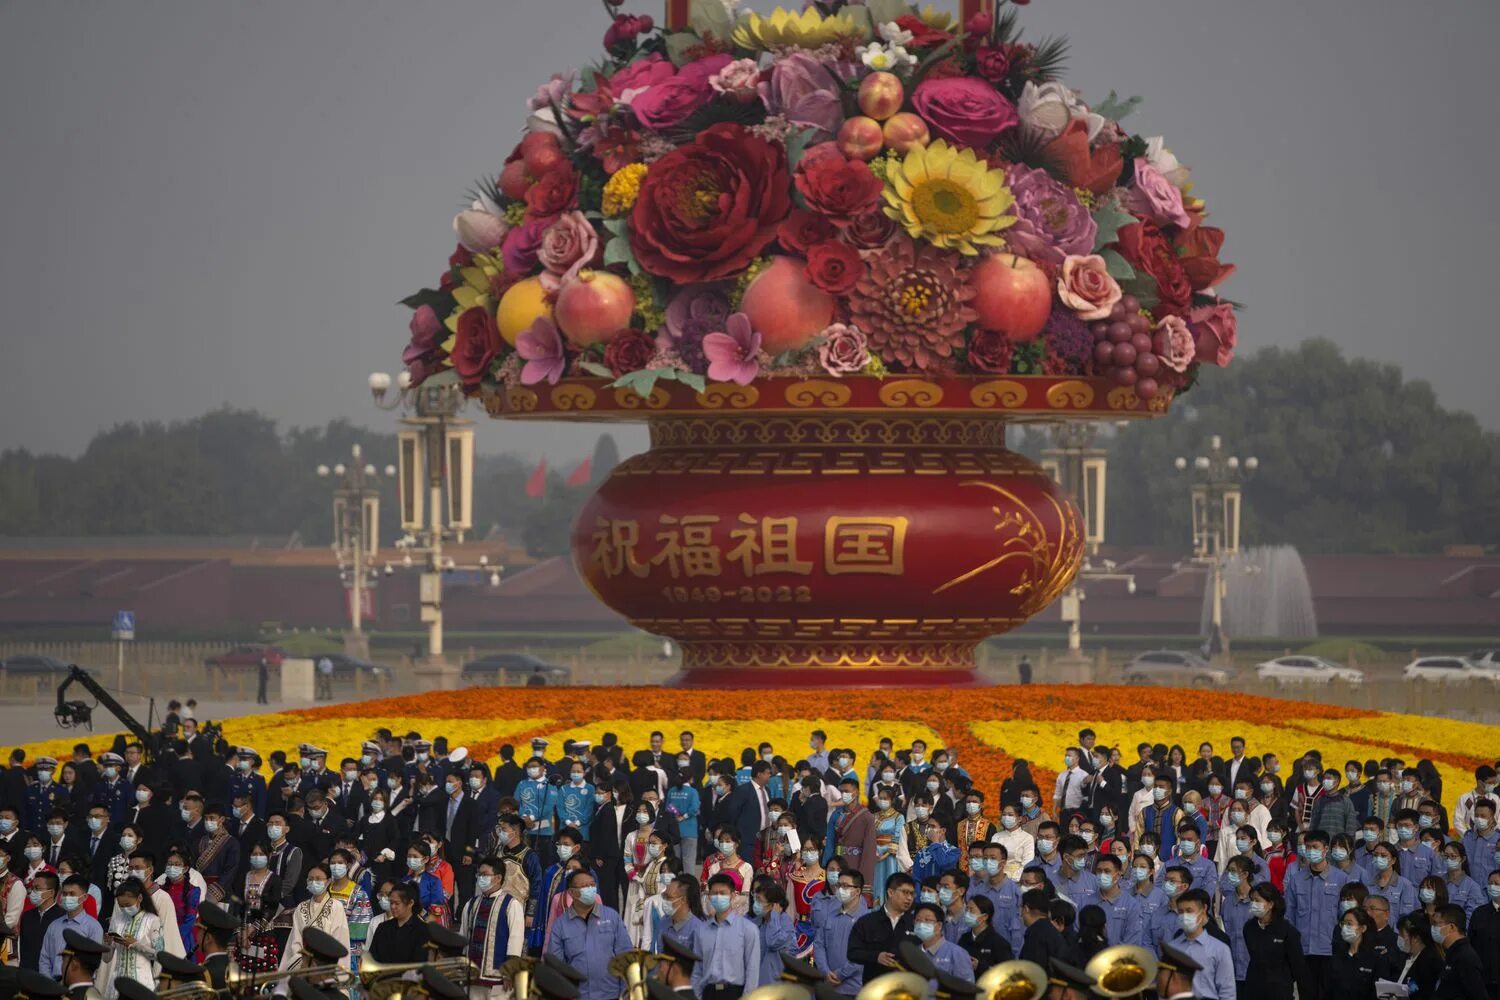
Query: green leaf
{"x": 1115, "y": 109}
{"x": 1119, "y": 268}
{"x": 678, "y": 45}
{"x": 1143, "y": 287}
{"x": 595, "y": 368}
{"x": 1110, "y": 218}
{"x": 710, "y": 17}
{"x": 617, "y": 251}
{"x": 617, "y": 227}
{"x": 797, "y": 144}
{"x": 692, "y": 380}
{"x": 642, "y": 382}
{"x": 882, "y": 11}
{"x": 441, "y": 301}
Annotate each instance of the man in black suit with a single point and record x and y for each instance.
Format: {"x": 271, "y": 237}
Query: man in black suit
{"x": 135, "y": 770}
{"x": 460, "y": 823}
{"x": 812, "y": 808}
{"x": 248, "y": 827}
{"x": 747, "y": 805}
{"x": 59, "y": 842}
{"x": 697, "y": 763}
{"x": 349, "y": 792}
{"x": 101, "y": 844}
{"x": 874, "y": 938}
{"x": 1463, "y": 970}
{"x": 1239, "y": 765}
{"x": 324, "y": 824}
{"x": 188, "y": 826}
{"x": 509, "y": 774}
{"x": 12, "y": 839}
{"x": 84, "y": 766}
{"x": 13, "y": 783}
{"x": 1042, "y": 942}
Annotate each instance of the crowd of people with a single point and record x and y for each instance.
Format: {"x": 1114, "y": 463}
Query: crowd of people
{"x": 1317, "y": 880}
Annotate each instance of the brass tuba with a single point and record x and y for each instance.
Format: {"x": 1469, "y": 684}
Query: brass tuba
{"x": 780, "y": 991}
{"x": 382, "y": 980}
{"x": 894, "y": 986}
{"x": 1122, "y": 971}
{"x": 519, "y": 970}
{"x": 631, "y": 967}
{"x": 1015, "y": 980}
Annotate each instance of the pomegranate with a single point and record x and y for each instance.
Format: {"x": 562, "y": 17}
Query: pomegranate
{"x": 593, "y": 307}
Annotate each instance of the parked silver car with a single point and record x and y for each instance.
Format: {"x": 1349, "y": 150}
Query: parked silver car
{"x": 1173, "y": 668}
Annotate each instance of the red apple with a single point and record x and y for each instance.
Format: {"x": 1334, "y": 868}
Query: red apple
{"x": 1013, "y": 296}
{"x": 593, "y": 307}
{"x": 785, "y": 307}
{"x": 860, "y": 138}
{"x": 881, "y": 95}
{"x": 905, "y": 130}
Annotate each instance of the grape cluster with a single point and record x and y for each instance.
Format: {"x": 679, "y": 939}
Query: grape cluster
{"x": 1124, "y": 349}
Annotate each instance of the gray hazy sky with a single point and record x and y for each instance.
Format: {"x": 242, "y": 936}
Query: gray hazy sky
{"x": 220, "y": 201}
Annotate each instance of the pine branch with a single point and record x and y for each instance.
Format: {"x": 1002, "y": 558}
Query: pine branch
{"x": 1048, "y": 60}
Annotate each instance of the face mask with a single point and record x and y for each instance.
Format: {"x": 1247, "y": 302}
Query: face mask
{"x": 809, "y": 857}
{"x": 316, "y": 886}
{"x": 971, "y": 919}
{"x": 211, "y": 825}
{"x": 924, "y": 930}
{"x": 922, "y": 812}
{"x": 653, "y": 850}
{"x": 1425, "y": 821}
{"x": 7, "y": 825}
{"x": 111, "y": 773}
{"x": 1078, "y": 863}
{"x": 642, "y": 819}
{"x": 1346, "y": 905}
{"x": 844, "y": 763}
{"x": 1494, "y": 890}
{"x": 1339, "y": 854}
{"x": 1242, "y": 794}
{"x": 682, "y": 763}
{"x": 1045, "y": 846}
{"x": 976, "y": 867}
{"x": 35, "y": 896}
{"x": 44, "y": 776}
{"x": 1087, "y": 836}
{"x": 1454, "y": 864}
{"x": 1275, "y": 767}
{"x": 564, "y": 852}
{"x": 945, "y": 896}
{"x": 1216, "y": 790}
{"x": 55, "y": 830}
{"x": 33, "y": 853}
{"x": 1107, "y": 821}
{"x": 1189, "y": 921}
{"x": 758, "y": 908}
{"x": 415, "y": 864}
{"x": 1406, "y": 832}
{"x": 1384, "y": 787}
{"x": 533, "y": 773}
{"x": 848, "y": 798}
{"x": 847, "y": 893}
{"x": 385, "y": 904}
{"x": 1257, "y": 908}
{"x": 775, "y": 814}
{"x": 422, "y": 756}
{"x": 588, "y": 895}
{"x": 600, "y": 798}
{"x": 726, "y": 847}
{"x": 1147, "y": 780}
{"x": 1189, "y": 849}
{"x": 1267, "y": 787}
{"x": 1349, "y": 932}
{"x": 1427, "y": 895}
{"x": 142, "y": 796}
{"x": 1314, "y": 856}
{"x": 1381, "y": 862}
{"x": 1407, "y": 786}
{"x": 1190, "y": 807}
{"x": 275, "y": 831}
{"x": 259, "y": 861}
{"x": 1481, "y": 824}
{"x": 928, "y": 896}
{"x": 1437, "y": 934}
{"x": 174, "y": 872}
{"x": 483, "y": 882}
{"x": 1106, "y": 881}
{"x": 377, "y": 807}
{"x": 1171, "y": 888}
{"x": 720, "y": 903}
{"x": 1149, "y": 850}
{"x": 1009, "y": 822}
{"x": 71, "y": 903}
{"x": 882, "y": 804}
{"x": 933, "y": 786}
{"x": 393, "y": 783}
{"x": 1159, "y": 794}
{"x": 1140, "y": 874}
{"x": 1233, "y": 878}
{"x": 1275, "y": 836}
{"x": 1027, "y": 802}
{"x": 973, "y": 808}
{"x": 768, "y": 756}
{"x": 1237, "y": 818}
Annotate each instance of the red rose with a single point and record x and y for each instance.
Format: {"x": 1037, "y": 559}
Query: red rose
{"x": 990, "y": 351}
{"x": 553, "y": 194}
{"x": 475, "y": 345}
{"x": 870, "y": 231}
{"x": 1094, "y": 169}
{"x": 922, "y": 35}
{"x": 1143, "y": 245}
{"x": 835, "y": 267}
{"x": 964, "y": 110}
{"x": 836, "y": 187}
{"x": 629, "y": 351}
{"x": 707, "y": 209}
{"x": 803, "y": 229}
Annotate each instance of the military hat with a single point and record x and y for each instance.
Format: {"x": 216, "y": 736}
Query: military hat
{"x": 1177, "y": 961}
{"x": 952, "y": 986}
{"x": 173, "y": 967}
{"x": 1063, "y": 974}
{"x": 42, "y": 762}
{"x": 658, "y": 990}
{"x": 133, "y": 989}
{"x": 553, "y": 985}
{"x": 440, "y": 938}
{"x": 371, "y": 746}
{"x": 323, "y": 945}
{"x": 85, "y": 949}
{"x": 110, "y": 757}
{"x": 674, "y": 950}
{"x": 540, "y": 741}
{"x": 569, "y": 973}
{"x": 302, "y": 989}
{"x": 439, "y": 985}
{"x": 420, "y": 744}
{"x": 217, "y": 917}
{"x": 247, "y": 752}
{"x": 914, "y": 958}
{"x": 33, "y": 984}
{"x": 795, "y": 970}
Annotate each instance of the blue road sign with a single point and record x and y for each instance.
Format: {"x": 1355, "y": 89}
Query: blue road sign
{"x": 124, "y": 621}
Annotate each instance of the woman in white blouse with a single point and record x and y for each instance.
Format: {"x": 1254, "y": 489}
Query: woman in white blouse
{"x": 319, "y": 910}
{"x": 133, "y": 939}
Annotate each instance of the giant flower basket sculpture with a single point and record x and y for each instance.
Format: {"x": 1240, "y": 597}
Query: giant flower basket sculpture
{"x": 827, "y": 256}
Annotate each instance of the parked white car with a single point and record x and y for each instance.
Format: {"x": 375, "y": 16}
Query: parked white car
{"x": 1445, "y": 669}
{"x": 1307, "y": 670}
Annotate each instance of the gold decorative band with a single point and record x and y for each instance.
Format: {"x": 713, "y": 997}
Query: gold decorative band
{"x": 859, "y": 430}
{"x": 845, "y": 655}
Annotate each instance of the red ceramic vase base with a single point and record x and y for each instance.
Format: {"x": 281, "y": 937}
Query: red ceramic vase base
{"x": 834, "y": 678}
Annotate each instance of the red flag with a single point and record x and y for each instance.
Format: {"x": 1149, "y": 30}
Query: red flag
{"x": 581, "y": 475}
{"x": 536, "y": 486}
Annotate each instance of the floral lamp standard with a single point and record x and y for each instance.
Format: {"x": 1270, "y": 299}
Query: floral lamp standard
{"x": 1215, "y": 491}
{"x": 827, "y": 256}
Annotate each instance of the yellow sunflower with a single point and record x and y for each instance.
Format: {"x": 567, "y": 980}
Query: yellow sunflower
{"x": 807, "y": 29}
{"x": 949, "y": 197}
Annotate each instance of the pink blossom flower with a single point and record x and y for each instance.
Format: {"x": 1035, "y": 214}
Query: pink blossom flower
{"x": 543, "y": 350}
{"x": 554, "y": 91}
{"x": 1174, "y": 343}
{"x": 844, "y": 350}
{"x": 732, "y": 354}
{"x": 1154, "y": 197}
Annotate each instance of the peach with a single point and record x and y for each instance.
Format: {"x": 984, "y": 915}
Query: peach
{"x": 787, "y": 308}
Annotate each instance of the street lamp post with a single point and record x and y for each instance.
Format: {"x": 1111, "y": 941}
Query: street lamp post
{"x": 1216, "y": 480}
{"x": 435, "y": 487}
{"x": 356, "y": 530}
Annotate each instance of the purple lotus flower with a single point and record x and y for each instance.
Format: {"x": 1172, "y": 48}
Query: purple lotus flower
{"x": 1051, "y": 222}
{"x": 708, "y": 303}
{"x": 803, "y": 91}
{"x": 732, "y": 354}
{"x": 543, "y": 350}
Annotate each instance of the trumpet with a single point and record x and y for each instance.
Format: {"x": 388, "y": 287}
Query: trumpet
{"x": 631, "y": 967}
{"x": 196, "y": 990}
{"x": 382, "y": 980}
{"x": 894, "y": 986}
{"x": 237, "y": 981}
{"x": 1015, "y": 980}
{"x": 519, "y": 970}
{"x": 1122, "y": 971}
{"x": 780, "y": 991}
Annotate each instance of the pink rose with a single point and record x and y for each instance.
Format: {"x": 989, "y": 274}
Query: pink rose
{"x": 642, "y": 73}
{"x": 701, "y": 70}
{"x": 844, "y": 350}
{"x": 964, "y": 110}
{"x": 671, "y": 102}
{"x": 740, "y": 75}
{"x": 1173, "y": 343}
{"x": 1086, "y": 287}
{"x": 1154, "y": 197}
{"x": 568, "y": 246}
{"x": 1215, "y": 330}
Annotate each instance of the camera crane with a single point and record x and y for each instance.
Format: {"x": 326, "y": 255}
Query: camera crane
{"x": 81, "y": 713}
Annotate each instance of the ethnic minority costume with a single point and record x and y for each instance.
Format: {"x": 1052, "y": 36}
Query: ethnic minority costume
{"x": 495, "y": 926}
{"x": 530, "y": 865}
{"x": 644, "y": 884}
{"x": 432, "y": 897}
{"x": 890, "y": 849}
{"x": 218, "y": 859}
{"x": 803, "y": 885}
{"x": 357, "y": 913}
{"x": 546, "y": 897}
{"x": 971, "y": 830}
{"x": 327, "y": 916}
{"x": 137, "y": 961}
{"x": 259, "y": 952}
{"x": 742, "y": 875}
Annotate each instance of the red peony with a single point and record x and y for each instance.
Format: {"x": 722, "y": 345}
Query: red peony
{"x": 1142, "y": 244}
{"x": 707, "y": 209}
{"x": 553, "y": 194}
{"x": 629, "y": 351}
{"x": 1092, "y": 168}
{"x": 993, "y": 62}
{"x": 803, "y": 230}
{"x": 835, "y": 267}
{"x": 923, "y": 35}
{"x": 838, "y": 188}
{"x": 475, "y": 345}
{"x": 990, "y": 351}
